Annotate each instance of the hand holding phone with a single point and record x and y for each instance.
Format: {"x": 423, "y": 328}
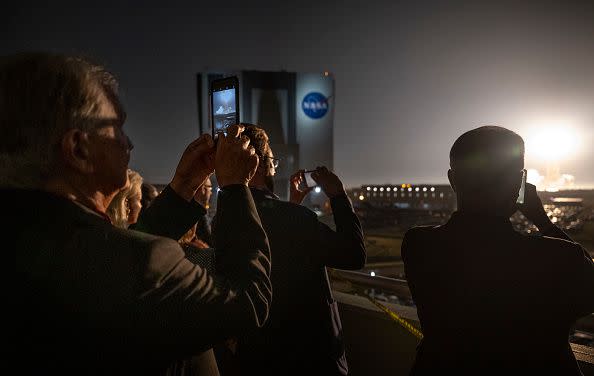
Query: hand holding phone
{"x": 298, "y": 187}
{"x": 328, "y": 181}
{"x": 195, "y": 166}
{"x": 235, "y": 160}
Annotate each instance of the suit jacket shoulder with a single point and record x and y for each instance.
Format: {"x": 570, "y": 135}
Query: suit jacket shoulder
{"x": 557, "y": 246}
{"x": 155, "y": 255}
{"x": 415, "y": 237}
{"x": 420, "y": 231}
{"x": 549, "y": 253}
{"x": 279, "y": 206}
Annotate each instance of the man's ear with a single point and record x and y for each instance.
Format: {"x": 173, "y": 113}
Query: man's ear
{"x": 452, "y": 178}
{"x": 76, "y": 152}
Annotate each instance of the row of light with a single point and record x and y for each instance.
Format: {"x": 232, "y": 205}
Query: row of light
{"x": 432, "y": 189}
{"x": 361, "y": 197}
{"x": 316, "y": 189}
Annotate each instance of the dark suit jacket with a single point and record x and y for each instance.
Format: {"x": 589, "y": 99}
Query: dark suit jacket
{"x": 86, "y": 297}
{"x": 294, "y": 339}
{"x": 491, "y": 300}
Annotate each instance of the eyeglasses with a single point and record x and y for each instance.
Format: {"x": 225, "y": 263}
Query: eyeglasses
{"x": 116, "y": 123}
{"x": 275, "y": 161}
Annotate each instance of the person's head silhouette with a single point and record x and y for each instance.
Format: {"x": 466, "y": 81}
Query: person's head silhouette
{"x": 486, "y": 166}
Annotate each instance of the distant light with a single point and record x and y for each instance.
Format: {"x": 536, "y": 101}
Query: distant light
{"x": 375, "y": 189}
{"x": 552, "y": 142}
{"x": 388, "y": 189}
{"x": 410, "y": 189}
{"x": 326, "y": 73}
{"x": 408, "y": 185}
{"x": 317, "y": 189}
{"x": 424, "y": 189}
{"x": 432, "y": 189}
{"x": 372, "y": 274}
{"x": 403, "y": 185}
{"x": 381, "y": 189}
{"x": 361, "y": 198}
{"x": 416, "y": 189}
{"x": 369, "y": 188}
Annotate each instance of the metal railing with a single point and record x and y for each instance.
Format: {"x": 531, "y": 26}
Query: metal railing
{"x": 364, "y": 282}
{"x": 398, "y": 287}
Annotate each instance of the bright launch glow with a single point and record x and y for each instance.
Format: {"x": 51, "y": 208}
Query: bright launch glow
{"x": 552, "y": 144}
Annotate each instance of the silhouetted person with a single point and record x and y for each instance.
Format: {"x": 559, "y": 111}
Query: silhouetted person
{"x": 299, "y": 338}
{"x": 87, "y": 297}
{"x": 491, "y": 300}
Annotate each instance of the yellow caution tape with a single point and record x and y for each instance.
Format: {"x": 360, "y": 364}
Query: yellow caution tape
{"x": 394, "y": 316}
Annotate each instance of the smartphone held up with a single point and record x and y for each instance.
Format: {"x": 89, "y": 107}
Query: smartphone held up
{"x": 522, "y": 192}
{"x": 224, "y": 104}
{"x": 307, "y": 180}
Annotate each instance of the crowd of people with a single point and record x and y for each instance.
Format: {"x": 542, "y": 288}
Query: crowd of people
{"x": 111, "y": 276}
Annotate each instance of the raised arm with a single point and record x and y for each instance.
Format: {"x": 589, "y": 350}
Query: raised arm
{"x": 576, "y": 263}
{"x": 345, "y": 247}
{"x": 534, "y": 211}
{"x": 581, "y": 276}
{"x": 169, "y": 215}
{"x": 175, "y": 210}
{"x": 184, "y": 303}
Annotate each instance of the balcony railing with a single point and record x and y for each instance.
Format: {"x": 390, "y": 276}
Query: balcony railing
{"x": 378, "y": 344}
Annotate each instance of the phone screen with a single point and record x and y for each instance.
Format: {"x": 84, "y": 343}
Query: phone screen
{"x": 224, "y": 106}
{"x": 520, "y": 199}
{"x": 309, "y": 182}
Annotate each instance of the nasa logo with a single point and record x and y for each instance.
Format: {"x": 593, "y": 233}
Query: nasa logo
{"x": 315, "y": 105}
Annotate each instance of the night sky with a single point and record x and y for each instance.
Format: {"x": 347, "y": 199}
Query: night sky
{"x": 410, "y": 78}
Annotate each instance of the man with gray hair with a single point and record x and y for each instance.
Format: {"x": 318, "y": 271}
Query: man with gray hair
{"x": 89, "y": 298}
{"x": 491, "y": 300}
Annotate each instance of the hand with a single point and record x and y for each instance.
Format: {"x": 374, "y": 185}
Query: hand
{"x": 532, "y": 208}
{"x": 235, "y": 161}
{"x": 199, "y": 243}
{"x": 328, "y": 181}
{"x": 203, "y": 194}
{"x": 297, "y": 195}
{"x": 195, "y": 166}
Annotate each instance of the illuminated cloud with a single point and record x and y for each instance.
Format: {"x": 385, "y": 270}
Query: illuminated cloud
{"x": 553, "y": 182}
{"x": 534, "y": 177}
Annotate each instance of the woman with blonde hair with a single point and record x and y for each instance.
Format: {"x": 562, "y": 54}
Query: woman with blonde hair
{"x": 125, "y": 206}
